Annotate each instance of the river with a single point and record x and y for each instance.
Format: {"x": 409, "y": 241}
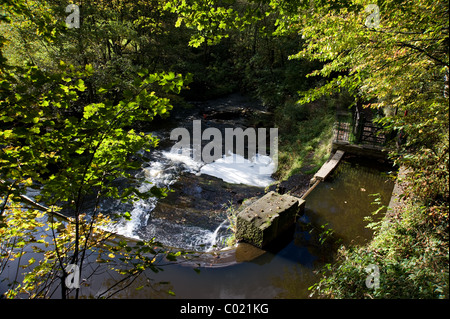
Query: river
{"x": 194, "y": 217}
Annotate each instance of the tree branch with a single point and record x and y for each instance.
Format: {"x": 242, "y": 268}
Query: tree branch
{"x": 411, "y": 46}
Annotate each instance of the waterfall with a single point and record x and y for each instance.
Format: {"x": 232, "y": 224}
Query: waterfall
{"x": 163, "y": 170}
{"x": 214, "y": 237}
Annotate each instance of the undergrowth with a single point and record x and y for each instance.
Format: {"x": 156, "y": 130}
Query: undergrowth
{"x": 411, "y": 251}
{"x": 305, "y": 135}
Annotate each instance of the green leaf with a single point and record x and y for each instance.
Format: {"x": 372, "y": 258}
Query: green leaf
{"x": 80, "y": 85}
{"x": 89, "y": 69}
{"x": 127, "y": 216}
{"x": 102, "y": 90}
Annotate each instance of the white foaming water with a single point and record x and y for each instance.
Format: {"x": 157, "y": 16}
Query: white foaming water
{"x": 187, "y": 161}
{"x": 188, "y": 237}
{"x": 139, "y": 216}
{"x": 159, "y": 173}
{"x": 238, "y": 170}
{"x": 215, "y": 238}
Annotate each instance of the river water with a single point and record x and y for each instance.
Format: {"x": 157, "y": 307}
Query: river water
{"x": 334, "y": 215}
{"x": 194, "y": 217}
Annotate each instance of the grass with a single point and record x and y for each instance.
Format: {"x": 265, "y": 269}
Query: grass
{"x": 306, "y": 133}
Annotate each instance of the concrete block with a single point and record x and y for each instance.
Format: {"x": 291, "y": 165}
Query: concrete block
{"x": 267, "y": 218}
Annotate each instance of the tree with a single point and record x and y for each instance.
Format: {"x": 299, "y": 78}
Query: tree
{"x": 400, "y": 66}
{"x": 396, "y": 62}
{"x": 71, "y": 150}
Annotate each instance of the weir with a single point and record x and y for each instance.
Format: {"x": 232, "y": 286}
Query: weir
{"x": 266, "y": 219}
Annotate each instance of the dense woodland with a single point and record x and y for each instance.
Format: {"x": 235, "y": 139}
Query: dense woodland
{"x": 70, "y": 97}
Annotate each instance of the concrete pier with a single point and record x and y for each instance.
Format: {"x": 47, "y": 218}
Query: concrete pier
{"x": 265, "y": 220}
